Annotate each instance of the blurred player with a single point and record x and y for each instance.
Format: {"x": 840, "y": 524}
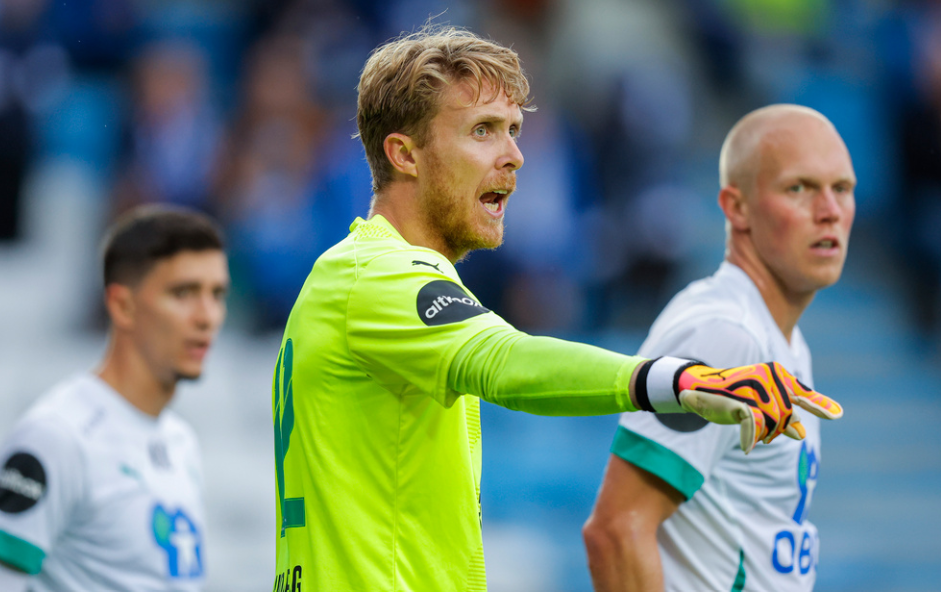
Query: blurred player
{"x": 378, "y": 454}
{"x": 101, "y": 485}
{"x": 724, "y": 521}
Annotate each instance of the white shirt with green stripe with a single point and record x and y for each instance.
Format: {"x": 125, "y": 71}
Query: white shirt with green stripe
{"x": 744, "y": 525}
{"x": 97, "y": 495}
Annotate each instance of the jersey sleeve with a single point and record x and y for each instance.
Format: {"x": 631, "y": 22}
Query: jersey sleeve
{"x": 683, "y": 449}
{"x": 40, "y": 485}
{"x": 407, "y": 317}
{"x": 542, "y": 375}
{"x": 13, "y": 580}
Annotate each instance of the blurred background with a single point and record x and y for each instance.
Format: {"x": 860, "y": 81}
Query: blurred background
{"x": 245, "y": 109}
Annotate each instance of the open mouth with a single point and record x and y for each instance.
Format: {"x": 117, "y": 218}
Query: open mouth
{"x": 494, "y": 201}
{"x": 197, "y": 348}
{"x": 826, "y": 244}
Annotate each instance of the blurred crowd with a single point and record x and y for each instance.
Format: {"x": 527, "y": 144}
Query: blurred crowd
{"x": 245, "y": 109}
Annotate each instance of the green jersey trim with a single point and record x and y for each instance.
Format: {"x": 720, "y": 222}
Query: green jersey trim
{"x": 657, "y": 460}
{"x": 739, "y": 584}
{"x": 20, "y": 554}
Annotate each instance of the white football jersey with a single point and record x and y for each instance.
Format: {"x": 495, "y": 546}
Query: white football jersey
{"x": 744, "y": 525}
{"x": 97, "y": 495}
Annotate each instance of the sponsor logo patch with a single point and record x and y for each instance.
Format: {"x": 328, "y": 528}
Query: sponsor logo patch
{"x": 179, "y": 537}
{"x": 441, "y": 302}
{"x": 807, "y": 468}
{"x": 682, "y": 422}
{"x": 797, "y": 549}
{"x": 22, "y": 483}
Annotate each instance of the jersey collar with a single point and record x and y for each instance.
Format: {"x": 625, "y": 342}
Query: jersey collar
{"x": 377, "y": 220}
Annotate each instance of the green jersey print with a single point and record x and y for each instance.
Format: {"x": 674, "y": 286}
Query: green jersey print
{"x": 292, "y": 509}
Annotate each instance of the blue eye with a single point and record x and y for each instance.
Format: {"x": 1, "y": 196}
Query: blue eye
{"x": 480, "y": 132}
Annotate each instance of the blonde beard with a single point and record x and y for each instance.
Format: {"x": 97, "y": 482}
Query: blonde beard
{"x": 449, "y": 217}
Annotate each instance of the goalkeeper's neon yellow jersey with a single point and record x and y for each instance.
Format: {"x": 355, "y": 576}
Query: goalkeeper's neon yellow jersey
{"x": 377, "y": 460}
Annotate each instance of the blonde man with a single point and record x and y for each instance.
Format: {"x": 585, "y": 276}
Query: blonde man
{"x": 679, "y": 509}
{"x": 377, "y": 447}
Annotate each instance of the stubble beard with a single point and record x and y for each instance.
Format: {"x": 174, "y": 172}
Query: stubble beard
{"x": 457, "y": 221}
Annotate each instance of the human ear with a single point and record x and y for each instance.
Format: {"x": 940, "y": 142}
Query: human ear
{"x": 734, "y": 206}
{"x": 399, "y": 149}
{"x": 119, "y": 302}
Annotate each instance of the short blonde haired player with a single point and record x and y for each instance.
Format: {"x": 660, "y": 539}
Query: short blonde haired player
{"x": 679, "y": 509}
{"x": 377, "y": 439}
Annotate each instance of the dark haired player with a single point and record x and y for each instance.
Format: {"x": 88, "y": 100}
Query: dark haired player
{"x": 100, "y": 485}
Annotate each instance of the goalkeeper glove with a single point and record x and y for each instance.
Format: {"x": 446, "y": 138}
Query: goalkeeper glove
{"x": 759, "y": 397}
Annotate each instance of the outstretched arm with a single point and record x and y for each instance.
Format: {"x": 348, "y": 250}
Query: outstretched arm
{"x": 542, "y": 375}
{"x": 549, "y": 376}
{"x": 621, "y": 533}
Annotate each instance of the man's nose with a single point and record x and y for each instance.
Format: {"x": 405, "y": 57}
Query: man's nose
{"x": 209, "y": 312}
{"x": 828, "y": 207}
{"x": 512, "y": 158}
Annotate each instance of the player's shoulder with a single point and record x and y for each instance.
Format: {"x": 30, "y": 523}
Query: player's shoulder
{"x": 67, "y": 407}
{"x": 409, "y": 260}
{"x": 723, "y": 310}
{"x": 56, "y": 428}
{"x": 728, "y": 293}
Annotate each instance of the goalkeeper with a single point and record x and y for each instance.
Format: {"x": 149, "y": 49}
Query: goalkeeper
{"x": 377, "y": 439}
{"x": 679, "y": 508}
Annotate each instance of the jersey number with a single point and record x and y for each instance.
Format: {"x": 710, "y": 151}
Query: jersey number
{"x": 292, "y": 509}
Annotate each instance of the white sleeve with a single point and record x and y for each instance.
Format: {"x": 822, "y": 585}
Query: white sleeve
{"x": 41, "y": 482}
{"x": 13, "y": 580}
{"x": 683, "y": 449}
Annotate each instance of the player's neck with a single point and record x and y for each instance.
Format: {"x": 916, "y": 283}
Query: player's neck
{"x": 398, "y": 203}
{"x": 785, "y": 306}
{"x": 125, "y": 370}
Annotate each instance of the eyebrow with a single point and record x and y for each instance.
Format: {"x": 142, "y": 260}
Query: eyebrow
{"x": 185, "y": 284}
{"x": 814, "y": 181}
{"x": 843, "y": 180}
{"x": 494, "y": 118}
{"x": 199, "y": 284}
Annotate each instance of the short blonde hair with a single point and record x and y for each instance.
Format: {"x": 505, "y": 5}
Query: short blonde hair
{"x": 403, "y": 79}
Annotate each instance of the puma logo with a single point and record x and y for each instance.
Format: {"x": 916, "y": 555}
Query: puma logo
{"x": 719, "y": 373}
{"x": 435, "y": 265}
